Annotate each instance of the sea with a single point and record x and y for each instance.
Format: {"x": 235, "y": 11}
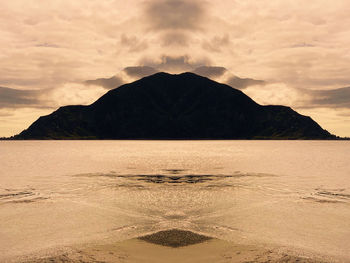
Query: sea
{"x": 291, "y": 194}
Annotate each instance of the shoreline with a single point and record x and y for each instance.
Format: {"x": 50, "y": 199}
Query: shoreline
{"x": 138, "y": 251}
{"x": 158, "y": 247}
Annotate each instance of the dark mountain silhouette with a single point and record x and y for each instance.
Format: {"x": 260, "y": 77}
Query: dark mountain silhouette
{"x": 165, "y": 106}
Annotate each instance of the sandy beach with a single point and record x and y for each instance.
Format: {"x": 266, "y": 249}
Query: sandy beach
{"x": 172, "y": 246}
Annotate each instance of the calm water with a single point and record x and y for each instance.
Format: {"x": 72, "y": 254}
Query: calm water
{"x": 294, "y": 194}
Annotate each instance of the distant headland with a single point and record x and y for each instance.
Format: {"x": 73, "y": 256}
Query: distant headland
{"x": 167, "y": 106}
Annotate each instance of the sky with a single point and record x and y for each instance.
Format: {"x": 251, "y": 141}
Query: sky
{"x": 62, "y": 52}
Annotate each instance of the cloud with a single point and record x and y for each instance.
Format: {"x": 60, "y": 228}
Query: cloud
{"x": 139, "y": 71}
{"x": 175, "y": 64}
{"x": 67, "y": 94}
{"x": 175, "y": 14}
{"x": 133, "y": 43}
{"x": 15, "y": 120}
{"x": 48, "y": 45}
{"x": 175, "y": 21}
{"x": 274, "y": 94}
{"x": 180, "y": 63}
{"x": 302, "y": 45}
{"x": 243, "y": 83}
{"x": 15, "y": 98}
{"x": 107, "y": 83}
{"x": 210, "y": 71}
{"x": 175, "y": 39}
{"x": 334, "y": 98}
{"x": 216, "y": 43}
{"x": 74, "y": 94}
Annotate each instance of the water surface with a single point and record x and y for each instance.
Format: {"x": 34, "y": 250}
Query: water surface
{"x": 293, "y": 194}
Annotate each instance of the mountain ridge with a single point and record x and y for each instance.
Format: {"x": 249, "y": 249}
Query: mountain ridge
{"x": 174, "y": 106}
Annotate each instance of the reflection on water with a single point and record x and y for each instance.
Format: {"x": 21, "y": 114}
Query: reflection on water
{"x": 54, "y": 194}
{"x": 175, "y": 238}
{"x": 179, "y": 178}
{"x": 20, "y": 196}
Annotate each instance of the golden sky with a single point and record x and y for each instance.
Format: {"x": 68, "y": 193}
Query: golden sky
{"x": 289, "y": 52}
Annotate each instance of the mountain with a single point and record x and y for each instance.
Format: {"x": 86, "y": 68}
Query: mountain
{"x": 166, "y": 106}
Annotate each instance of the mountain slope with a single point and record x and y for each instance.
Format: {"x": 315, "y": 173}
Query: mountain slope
{"x": 165, "y": 106}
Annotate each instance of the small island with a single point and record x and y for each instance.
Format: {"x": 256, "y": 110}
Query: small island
{"x": 174, "y": 106}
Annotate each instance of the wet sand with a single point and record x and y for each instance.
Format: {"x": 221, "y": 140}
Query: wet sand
{"x": 172, "y": 246}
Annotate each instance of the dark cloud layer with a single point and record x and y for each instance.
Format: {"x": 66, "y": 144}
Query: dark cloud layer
{"x": 174, "y": 14}
{"x": 209, "y": 71}
{"x": 182, "y": 63}
{"x": 175, "y": 63}
{"x": 242, "y": 83}
{"x": 132, "y": 43}
{"x": 338, "y": 98}
{"x": 107, "y": 83}
{"x": 169, "y": 62}
{"x": 15, "y": 98}
{"x": 139, "y": 71}
{"x": 175, "y": 20}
